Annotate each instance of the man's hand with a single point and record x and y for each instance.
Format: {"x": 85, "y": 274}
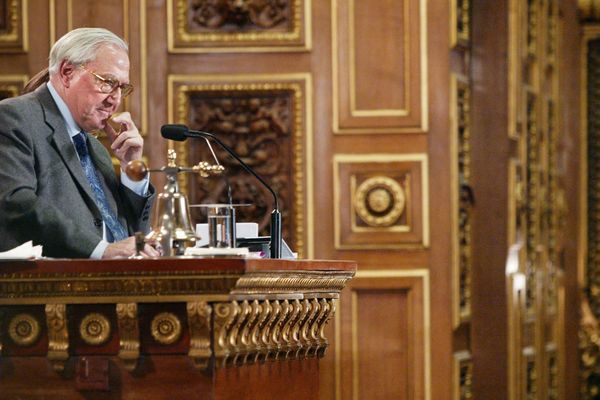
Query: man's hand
{"x": 126, "y": 248}
{"x": 128, "y": 144}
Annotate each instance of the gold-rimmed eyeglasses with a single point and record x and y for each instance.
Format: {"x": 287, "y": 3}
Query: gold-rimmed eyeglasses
{"x": 108, "y": 85}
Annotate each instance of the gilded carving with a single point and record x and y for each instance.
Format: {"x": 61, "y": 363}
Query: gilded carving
{"x": 24, "y": 329}
{"x": 199, "y": 315}
{"x": 461, "y": 30}
{"x": 379, "y": 201}
{"x": 465, "y": 198}
{"x": 207, "y": 25}
{"x": 129, "y": 334}
{"x": 94, "y": 329}
{"x": 240, "y": 15}
{"x": 463, "y": 376}
{"x": 165, "y": 328}
{"x": 58, "y": 335}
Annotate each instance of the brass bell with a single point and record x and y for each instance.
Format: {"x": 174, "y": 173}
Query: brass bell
{"x": 171, "y": 223}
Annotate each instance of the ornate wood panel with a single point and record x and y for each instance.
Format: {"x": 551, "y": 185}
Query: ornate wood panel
{"x": 238, "y": 26}
{"x": 383, "y": 201}
{"x": 264, "y": 119}
{"x": 11, "y": 85}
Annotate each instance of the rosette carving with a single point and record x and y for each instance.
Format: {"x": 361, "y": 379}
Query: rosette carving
{"x": 379, "y": 201}
{"x": 24, "y": 329}
{"x": 165, "y": 328}
{"x": 94, "y": 329}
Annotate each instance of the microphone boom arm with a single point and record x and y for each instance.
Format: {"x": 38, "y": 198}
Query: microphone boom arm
{"x": 181, "y": 132}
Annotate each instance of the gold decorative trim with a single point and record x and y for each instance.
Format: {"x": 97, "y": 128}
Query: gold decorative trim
{"x": 129, "y": 334}
{"x": 24, "y": 329}
{"x": 199, "y": 321}
{"x": 1, "y": 330}
{"x": 58, "y": 335}
{"x": 423, "y": 125}
{"x": 179, "y": 87}
{"x": 165, "y": 328}
{"x": 181, "y": 41}
{"x": 382, "y": 158}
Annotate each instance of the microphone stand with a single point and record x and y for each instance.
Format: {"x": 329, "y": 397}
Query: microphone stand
{"x": 275, "y": 227}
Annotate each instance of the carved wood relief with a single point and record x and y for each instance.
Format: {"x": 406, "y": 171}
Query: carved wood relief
{"x": 13, "y": 26}
{"x": 382, "y": 201}
{"x": 397, "y": 101}
{"x": 240, "y": 26}
{"x": 265, "y": 124}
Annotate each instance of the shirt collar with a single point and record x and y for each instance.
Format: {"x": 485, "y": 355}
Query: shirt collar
{"x": 72, "y": 126}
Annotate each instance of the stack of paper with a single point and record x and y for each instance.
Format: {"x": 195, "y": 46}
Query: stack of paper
{"x": 25, "y": 251}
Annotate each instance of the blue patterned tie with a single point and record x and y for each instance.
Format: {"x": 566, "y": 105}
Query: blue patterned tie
{"x": 115, "y": 230}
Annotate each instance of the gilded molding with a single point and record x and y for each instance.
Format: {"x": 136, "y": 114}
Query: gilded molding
{"x": 24, "y": 329}
{"x": 58, "y": 335}
{"x": 129, "y": 334}
{"x": 165, "y": 328}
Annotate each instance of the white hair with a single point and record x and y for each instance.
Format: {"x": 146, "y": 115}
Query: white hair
{"x": 81, "y": 45}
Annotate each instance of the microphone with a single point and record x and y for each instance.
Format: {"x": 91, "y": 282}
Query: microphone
{"x": 180, "y": 133}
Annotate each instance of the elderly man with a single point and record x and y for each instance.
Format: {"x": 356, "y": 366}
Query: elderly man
{"x": 57, "y": 184}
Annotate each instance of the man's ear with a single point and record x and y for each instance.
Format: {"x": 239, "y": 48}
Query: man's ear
{"x": 66, "y": 70}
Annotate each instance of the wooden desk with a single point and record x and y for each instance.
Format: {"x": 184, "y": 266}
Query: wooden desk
{"x": 165, "y": 328}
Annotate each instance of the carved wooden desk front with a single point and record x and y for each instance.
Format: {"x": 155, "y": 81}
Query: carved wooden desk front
{"x": 206, "y": 328}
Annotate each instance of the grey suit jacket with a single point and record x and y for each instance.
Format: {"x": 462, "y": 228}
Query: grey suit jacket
{"x": 44, "y": 193}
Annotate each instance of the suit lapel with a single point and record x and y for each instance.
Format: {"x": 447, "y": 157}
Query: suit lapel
{"x": 61, "y": 141}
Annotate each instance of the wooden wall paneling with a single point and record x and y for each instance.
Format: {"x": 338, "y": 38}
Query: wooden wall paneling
{"x": 11, "y": 85}
{"x": 390, "y": 360}
{"x": 393, "y": 50}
